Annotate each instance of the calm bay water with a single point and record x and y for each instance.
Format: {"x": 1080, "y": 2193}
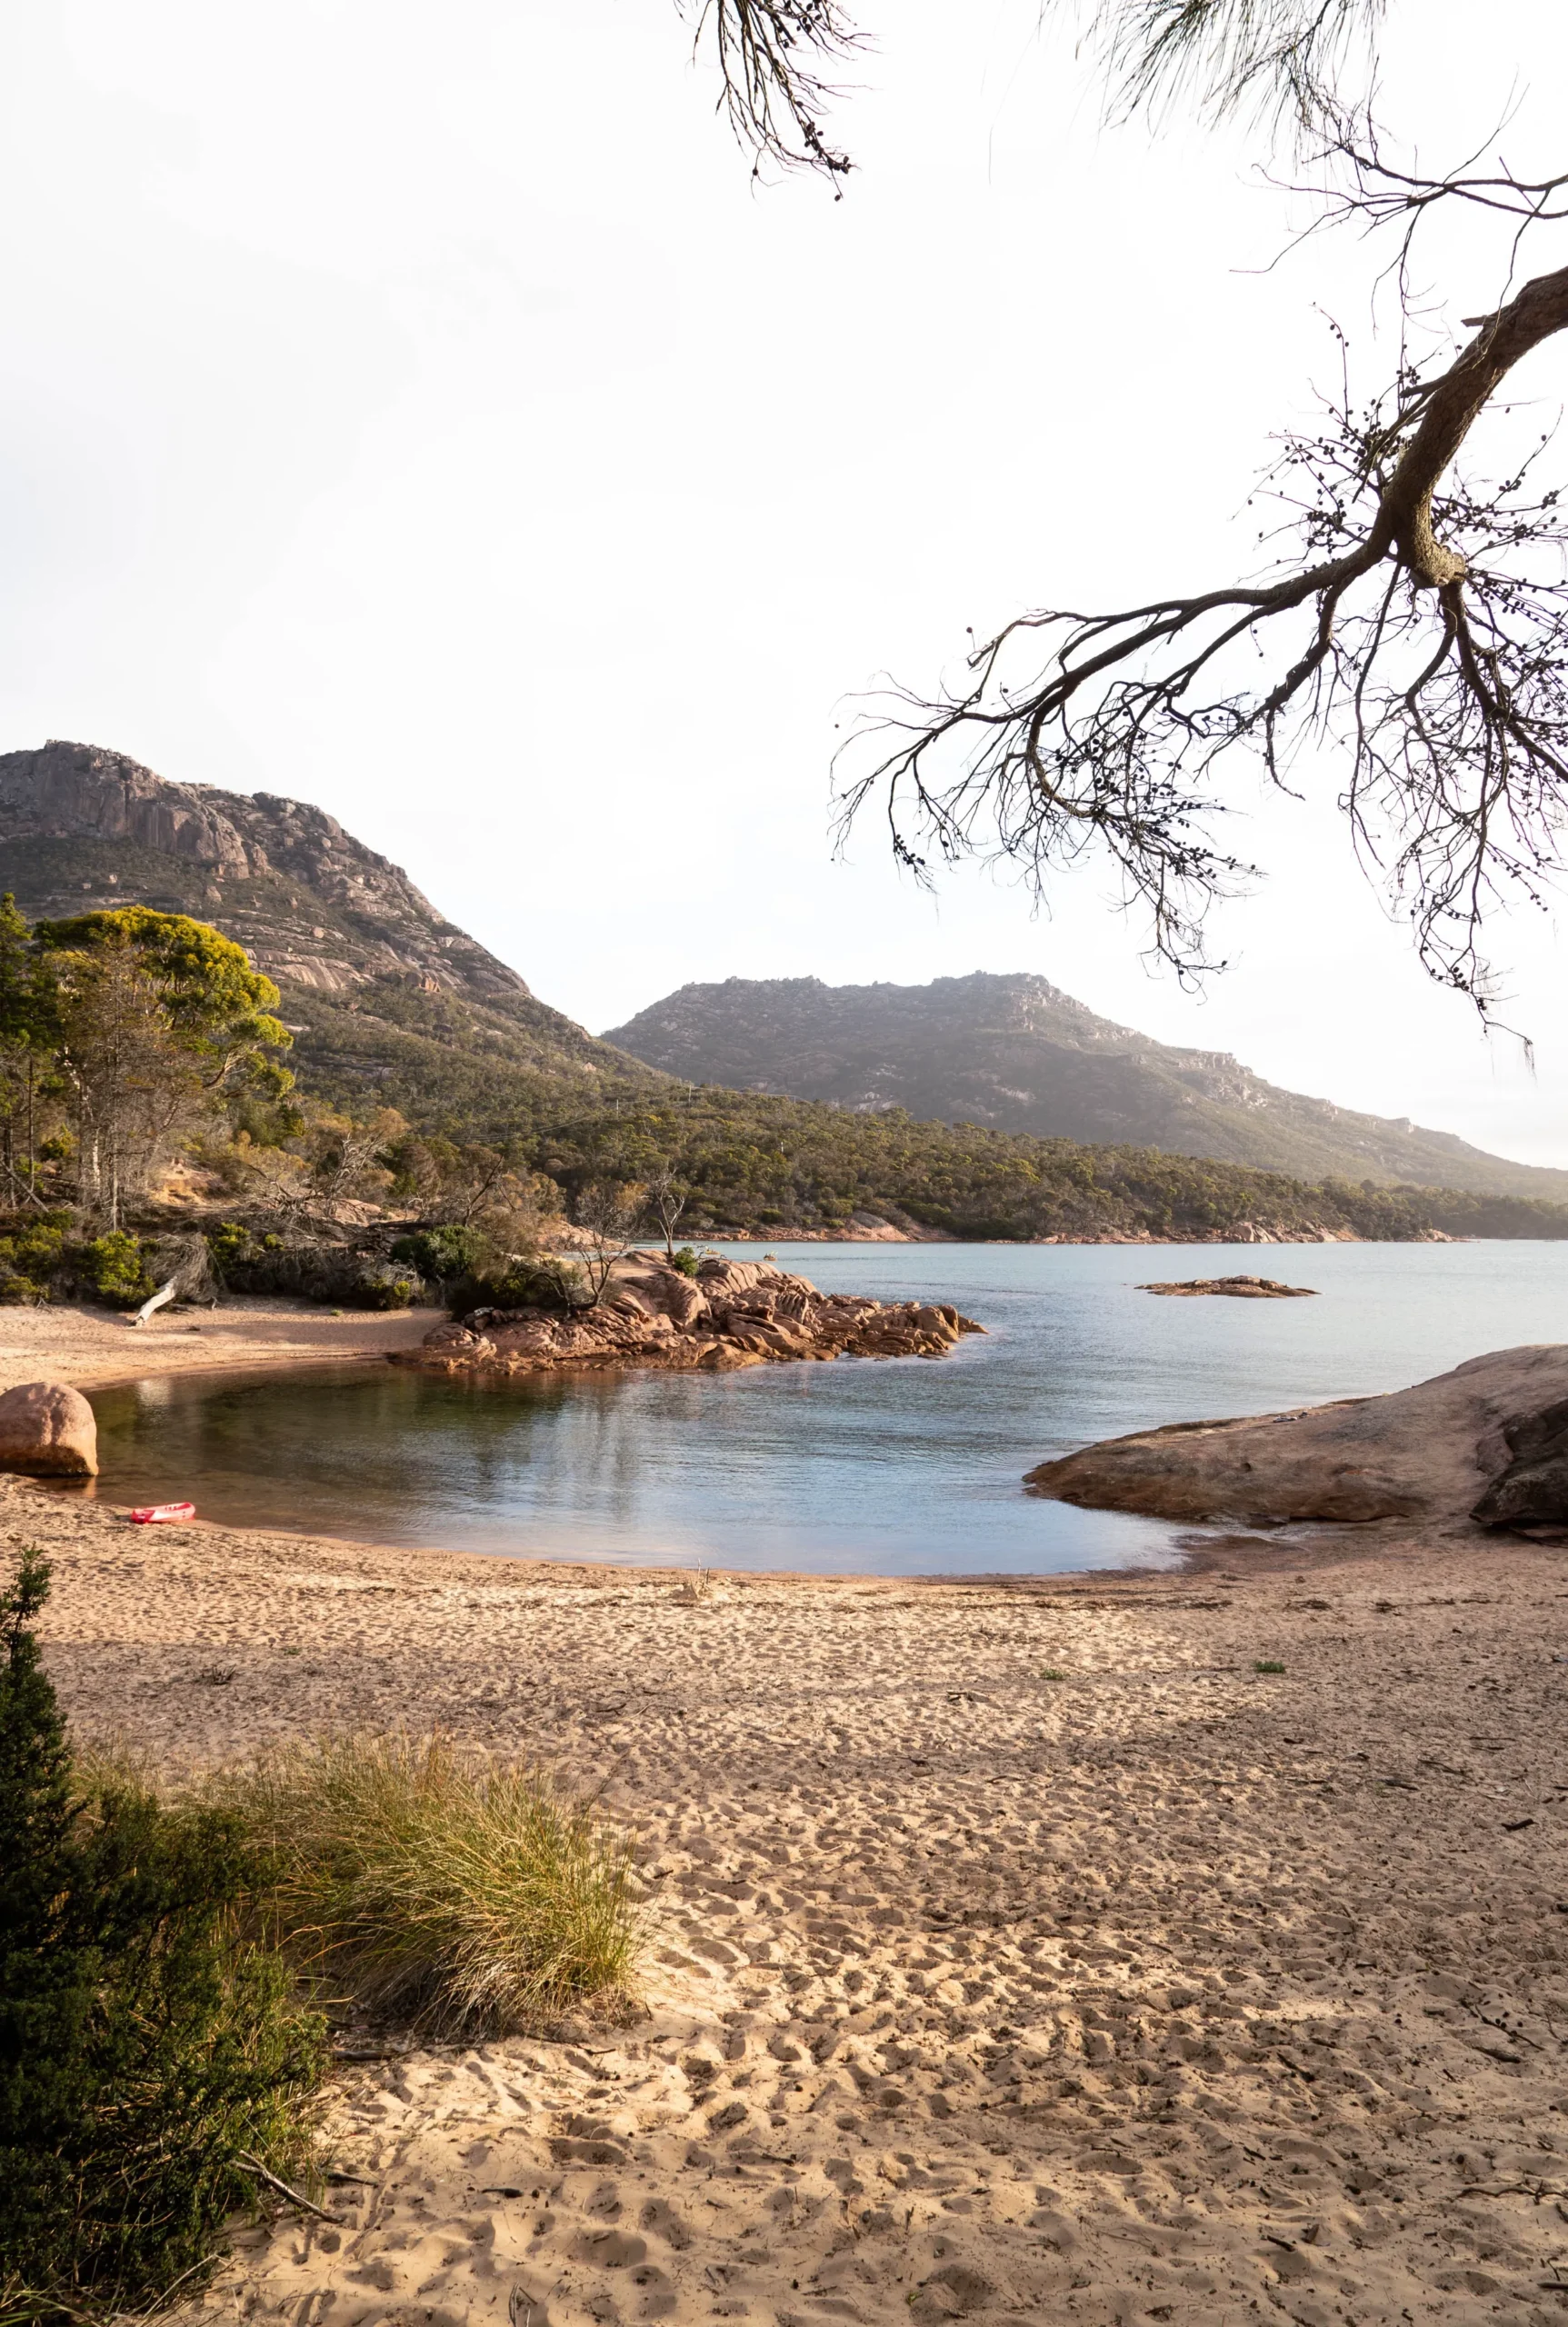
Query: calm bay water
{"x": 894, "y": 1467}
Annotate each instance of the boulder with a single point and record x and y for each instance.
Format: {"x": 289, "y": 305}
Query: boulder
{"x": 1533, "y": 1490}
{"x": 47, "y": 1430}
{"x": 1421, "y": 1455}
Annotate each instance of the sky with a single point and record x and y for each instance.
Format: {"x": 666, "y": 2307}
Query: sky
{"x": 422, "y": 412}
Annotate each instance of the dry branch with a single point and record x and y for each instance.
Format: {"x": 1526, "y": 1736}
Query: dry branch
{"x": 1422, "y": 624}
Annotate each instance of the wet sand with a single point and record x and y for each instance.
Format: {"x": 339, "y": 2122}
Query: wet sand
{"x": 1014, "y": 1953}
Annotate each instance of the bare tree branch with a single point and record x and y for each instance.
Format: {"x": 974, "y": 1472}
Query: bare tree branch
{"x": 1284, "y": 59}
{"x": 1422, "y": 622}
{"x": 1279, "y": 58}
{"x": 774, "y": 55}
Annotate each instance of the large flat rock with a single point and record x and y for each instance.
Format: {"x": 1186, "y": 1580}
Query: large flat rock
{"x": 1422, "y": 1454}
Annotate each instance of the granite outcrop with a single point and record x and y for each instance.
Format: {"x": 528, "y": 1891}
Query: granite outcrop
{"x": 1232, "y": 1288}
{"x": 1482, "y": 1443}
{"x": 731, "y": 1313}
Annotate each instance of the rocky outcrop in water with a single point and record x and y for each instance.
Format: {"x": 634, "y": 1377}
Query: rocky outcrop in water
{"x": 1420, "y": 1454}
{"x": 732, "y": 1313}
{"x": 1235, "y": 1288}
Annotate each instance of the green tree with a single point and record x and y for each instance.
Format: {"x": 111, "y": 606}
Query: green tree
{"x": 161, "y": 1021}
{"x": 29, "y": 1034}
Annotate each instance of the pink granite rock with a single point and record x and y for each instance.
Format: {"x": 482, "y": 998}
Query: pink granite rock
{"x": 47, "y": 1430}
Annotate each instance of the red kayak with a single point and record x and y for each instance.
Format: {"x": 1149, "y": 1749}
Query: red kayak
{"x": 152, "y": 1511}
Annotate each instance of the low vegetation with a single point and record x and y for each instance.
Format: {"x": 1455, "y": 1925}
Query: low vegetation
{"x": 449, "y": 1892}
{"x": 147, "y": 2046}
{"x": 160, "y": 2057}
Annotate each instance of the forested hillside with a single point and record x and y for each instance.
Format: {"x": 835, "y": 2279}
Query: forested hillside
{"x": 1015, "y": 1053}
{"x": 779, "y": 1166}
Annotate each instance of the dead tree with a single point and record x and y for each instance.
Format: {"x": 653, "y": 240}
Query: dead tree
{"x": 1417, "y": 621}
{"x": 780, "y": 62}
{"x": 666, "y": 1204}
{"x": 606, "y": 1213}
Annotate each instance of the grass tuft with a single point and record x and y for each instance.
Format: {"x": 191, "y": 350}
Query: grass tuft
{"x": 1267, "y": 1666}
{"x": 460, "y": 1895}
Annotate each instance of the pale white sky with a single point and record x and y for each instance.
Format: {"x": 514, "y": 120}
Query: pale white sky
{"x": 418, "y": 410}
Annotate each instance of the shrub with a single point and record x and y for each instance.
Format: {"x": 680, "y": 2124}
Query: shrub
{"x": 37, "y": 1252}
{"x": 112, "y": 1267}
{"x": 28, "y": 1258}
{"x": 228, "y": 1243}
{"x": 314, "y": 1270}
{"x": 455, "y": 1892}
{"x": 144, "y": 2045}
{"x": 442, "y": 1253}
{"x": 549, "y": 1285}
{"x": 685, "y": 1260}
{"x": 378, "y": 1285}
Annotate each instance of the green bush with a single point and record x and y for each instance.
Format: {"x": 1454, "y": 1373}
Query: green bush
{"x": 685, "y": 1260}
{"x": 442, "y": 1253}
{"x": 145, "y": 2044}
{"x": 312, "y": 1269}
{"x": 112, "y": 1267}
{"x": 455, "y": 1892}
{"x": 381, "y": 1287}
{"x": 228, "y": 1243}
{"x": 548, "y": 1284}
{"x": 37, "y": 1253}
{"x": 29, "y": 1258}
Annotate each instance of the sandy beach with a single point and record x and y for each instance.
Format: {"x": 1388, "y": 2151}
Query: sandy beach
{"x": 1013, "y": 1953}
{"x": 88, "y": 1346}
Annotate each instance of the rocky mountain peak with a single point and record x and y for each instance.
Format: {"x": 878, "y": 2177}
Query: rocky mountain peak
{"x": 311, "y": 904}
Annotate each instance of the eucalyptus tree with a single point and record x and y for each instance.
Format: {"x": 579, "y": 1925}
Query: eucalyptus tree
{"x": 159, "y": 1022}
{"x": 29, "y": 1033}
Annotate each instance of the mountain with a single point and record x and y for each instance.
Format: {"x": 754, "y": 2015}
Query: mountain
{"x": 393, "y": 1005}
{"x": 386, "y": 996}
{"x": 1017, "y": 1055}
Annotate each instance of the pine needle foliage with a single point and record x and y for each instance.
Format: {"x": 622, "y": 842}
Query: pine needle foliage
{"x": 435, "y": 1887}
{"x": 145, "y": 2044}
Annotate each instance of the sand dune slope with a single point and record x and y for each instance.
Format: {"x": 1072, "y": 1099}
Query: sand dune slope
{"x": 1157, "y": 1989}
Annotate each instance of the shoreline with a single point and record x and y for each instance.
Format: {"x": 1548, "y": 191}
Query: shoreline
{"x": 1146, "y": 1943}
{"x": 97, "y": 1349}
